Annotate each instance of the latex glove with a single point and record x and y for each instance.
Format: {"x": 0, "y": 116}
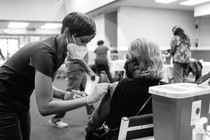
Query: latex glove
{"x": 99, "y": 90}
{"x": 78, "y": 94}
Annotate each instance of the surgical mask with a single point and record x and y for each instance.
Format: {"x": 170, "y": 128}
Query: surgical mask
{"x": 76, "y": 51}
{"x": 130, "y": 67}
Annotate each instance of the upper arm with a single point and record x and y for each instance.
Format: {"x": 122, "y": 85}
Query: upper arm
{"x": 100, "y": 114}
{"x": 43, "y": 90}
{"x": 113, "y": 87}
{"x": 43, "y": 61}
{"x": 173, "y": 46}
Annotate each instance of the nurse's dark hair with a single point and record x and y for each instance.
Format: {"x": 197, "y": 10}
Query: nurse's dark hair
{"x": 79, "y": 24}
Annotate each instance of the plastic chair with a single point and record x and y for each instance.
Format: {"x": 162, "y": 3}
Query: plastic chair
{"x": 136, "y": 127}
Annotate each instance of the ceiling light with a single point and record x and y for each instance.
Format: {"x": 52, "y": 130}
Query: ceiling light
{"x": 165, "y": 1}
{"x": 193, "y": 2}
{"x": 18, "y": 24}
{"x": 51, "y": 26}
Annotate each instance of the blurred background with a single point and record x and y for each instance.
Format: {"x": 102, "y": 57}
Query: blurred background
{"x": 118, "y": 22}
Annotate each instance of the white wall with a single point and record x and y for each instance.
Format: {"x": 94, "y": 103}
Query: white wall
{"x": 100, "y": 34}
{"x": 28, "y": 10}
{"x": 106, "y": 29}
{"x": 204, "y": 32}
{"x": 111, "y": 29}
{"x": 85, "y": 5}
{"x": 154, "y": 24}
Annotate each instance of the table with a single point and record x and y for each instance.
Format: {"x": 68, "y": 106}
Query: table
{"x": 168, "y": 71}
{"x": 117, "y": 67}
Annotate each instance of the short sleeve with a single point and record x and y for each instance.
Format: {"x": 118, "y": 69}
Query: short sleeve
{"x": 42, "y": 60}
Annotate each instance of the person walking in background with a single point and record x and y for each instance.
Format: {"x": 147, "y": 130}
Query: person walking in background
{"x": 143, "y": 67}
{"x": 101, "y": 60}
{"x": 181, "y": 54}
{"x": 33, "y": 68}
{"x": 76, "y": 72}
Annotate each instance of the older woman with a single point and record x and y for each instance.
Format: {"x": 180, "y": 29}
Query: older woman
{"x": 143, "y": 69}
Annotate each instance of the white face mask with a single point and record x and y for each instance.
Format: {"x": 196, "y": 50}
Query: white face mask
{"x": 76, "y": 51}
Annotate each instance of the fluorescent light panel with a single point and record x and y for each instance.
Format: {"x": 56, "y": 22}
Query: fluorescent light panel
{"x": 18, "y": 24}
{"x": 193, "y": 2}
{"x": 165, "y": 1}
{"x": 51, "y": 26}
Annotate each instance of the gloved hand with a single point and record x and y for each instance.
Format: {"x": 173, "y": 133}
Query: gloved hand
{"x": 78, "y": 94}
{"x": 74, "y": 94}
{"x": 99, "y": 90}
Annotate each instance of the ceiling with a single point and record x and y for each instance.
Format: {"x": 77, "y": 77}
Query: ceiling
{"x": 113, "y": 7}
{"x": 152, "y": 4}
{"x": 141, "y": 3}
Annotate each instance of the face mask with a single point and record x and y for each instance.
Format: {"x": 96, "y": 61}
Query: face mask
{"x": 130, "y": 67}
{"x": 76, "y": 51}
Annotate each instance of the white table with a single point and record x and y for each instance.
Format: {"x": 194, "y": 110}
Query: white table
{"x": 168, "y": 71}
{"x": 117, "y": 66}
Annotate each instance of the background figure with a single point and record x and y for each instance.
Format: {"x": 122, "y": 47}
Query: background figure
{"x": 143, "y": 68}
{"x": 2, "y": 55}
{"x": 181, "y": 54}
{"x": 101, "y": 60}
{"x": 76, "y": 72}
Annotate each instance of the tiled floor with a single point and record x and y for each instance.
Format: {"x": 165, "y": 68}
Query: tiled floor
{"x": 41, "y": 130}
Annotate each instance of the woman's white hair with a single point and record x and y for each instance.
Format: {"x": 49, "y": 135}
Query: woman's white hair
{"x": 149, "y": 58}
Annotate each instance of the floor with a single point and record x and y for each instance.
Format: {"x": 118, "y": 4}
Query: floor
{"x": 41, "y": 130}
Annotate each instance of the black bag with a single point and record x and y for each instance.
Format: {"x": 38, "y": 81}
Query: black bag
{"x": 98, "y": 134}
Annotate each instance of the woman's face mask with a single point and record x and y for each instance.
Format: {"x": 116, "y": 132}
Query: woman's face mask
{"x": 76, "y": 51}
{"x": 130, "y": 66}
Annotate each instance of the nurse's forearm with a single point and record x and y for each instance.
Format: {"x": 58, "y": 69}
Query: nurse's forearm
{"x": 58, "y": 106}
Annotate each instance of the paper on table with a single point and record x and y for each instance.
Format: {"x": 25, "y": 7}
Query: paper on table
{"x": 90, "y": 85}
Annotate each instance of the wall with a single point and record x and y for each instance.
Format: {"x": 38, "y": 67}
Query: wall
{"x": 106, "y": 29}
{"x": 155, "y": 24}
{"x": 31, "y": 10}
{"x": 85, "y": 5}
{"x": 111, "y": 28}
{"x": 204, "y": 32}
{"x": 100, "y": 34}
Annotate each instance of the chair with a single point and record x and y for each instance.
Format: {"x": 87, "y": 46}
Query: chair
{"x": 136, "y": 127}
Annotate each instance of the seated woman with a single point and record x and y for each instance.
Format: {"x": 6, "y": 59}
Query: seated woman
{"x": 143, "y": 69}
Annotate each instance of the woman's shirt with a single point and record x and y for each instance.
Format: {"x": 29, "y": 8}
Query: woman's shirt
{"x": 128, "y": 97}
{"x": 180, "y": 50}
{"x": 17, "y": 74}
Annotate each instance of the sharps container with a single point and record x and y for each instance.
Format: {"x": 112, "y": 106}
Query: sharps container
{"x": 176, "y": 108}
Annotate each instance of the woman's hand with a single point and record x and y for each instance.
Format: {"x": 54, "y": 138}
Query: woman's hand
{"x": 78, "y": 94}
{"x": 100, "y": 90}
{"x": 74, "y": 94}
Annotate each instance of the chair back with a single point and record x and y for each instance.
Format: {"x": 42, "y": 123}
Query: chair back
{"x": 136, "y": 127}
